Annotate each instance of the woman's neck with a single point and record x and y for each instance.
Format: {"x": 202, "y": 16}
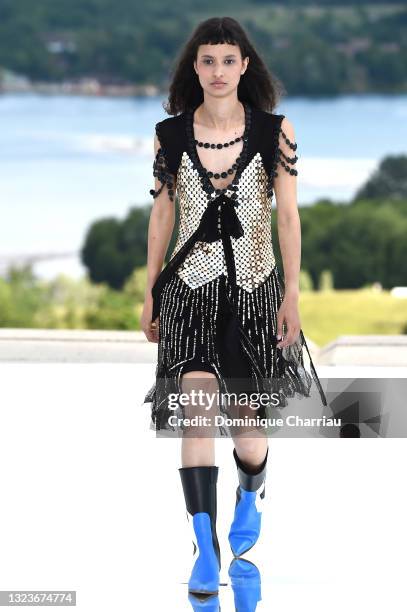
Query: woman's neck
{"x": 221, "y": 114}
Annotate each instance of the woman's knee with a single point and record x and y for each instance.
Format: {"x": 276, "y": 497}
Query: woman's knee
{"x": 249, "y": 447}
{"x": 199, "y": 380}
{"x": 199, "y": 410}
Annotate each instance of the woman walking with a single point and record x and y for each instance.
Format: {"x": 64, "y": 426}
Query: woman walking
{"x": 219, "y": 310}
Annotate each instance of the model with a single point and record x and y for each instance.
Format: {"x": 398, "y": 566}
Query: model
{"x": 219, "y": 310}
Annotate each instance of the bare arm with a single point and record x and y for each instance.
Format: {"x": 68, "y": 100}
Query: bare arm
{"x": 160, "y": 228}
{"x": 289, "y": 232}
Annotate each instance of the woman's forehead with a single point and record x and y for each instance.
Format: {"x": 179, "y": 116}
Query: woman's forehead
{"x": 218, "y": 50}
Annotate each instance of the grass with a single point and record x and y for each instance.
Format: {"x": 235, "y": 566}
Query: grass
{"x": 325, "y": 315}
{"x": 328, "y": 314}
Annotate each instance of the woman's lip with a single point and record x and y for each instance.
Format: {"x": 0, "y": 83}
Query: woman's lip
{"x": 218, "y": 83}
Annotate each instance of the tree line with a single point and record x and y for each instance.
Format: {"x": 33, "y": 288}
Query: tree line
{"x": 360, "y": 242}
{"x": 344, "y": 246}
{"x": 354, "y": 47}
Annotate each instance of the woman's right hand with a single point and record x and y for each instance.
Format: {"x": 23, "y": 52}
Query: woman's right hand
{"x": 145, "y": 321}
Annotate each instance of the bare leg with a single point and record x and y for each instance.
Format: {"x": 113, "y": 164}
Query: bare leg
{"x": 250, "y": 442}
{"x": 198, "y": 443}
{"x": 251, "y": 451}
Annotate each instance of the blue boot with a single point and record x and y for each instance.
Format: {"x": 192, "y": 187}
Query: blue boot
{"x": 200, "y": 491}
{"x": 245, "y": 529}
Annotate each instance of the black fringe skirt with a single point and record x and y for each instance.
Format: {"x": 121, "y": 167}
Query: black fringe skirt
{"x": 197, "y": 331}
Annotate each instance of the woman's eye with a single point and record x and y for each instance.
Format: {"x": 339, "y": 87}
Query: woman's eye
{"x": 208, "y": 60}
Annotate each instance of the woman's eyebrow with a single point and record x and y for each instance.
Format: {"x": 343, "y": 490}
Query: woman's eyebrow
{"x": 211, "y": 56}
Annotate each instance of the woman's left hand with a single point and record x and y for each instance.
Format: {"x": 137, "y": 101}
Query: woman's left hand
{"x": 288, "y": 314}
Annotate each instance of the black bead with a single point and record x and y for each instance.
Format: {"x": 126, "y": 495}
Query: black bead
{"x": 206, "y": 145}
{"x": 226, "y": 144}
{"x": 219, "y": 146}
{"x": 216, "y": 175}
{"x": 210, "y": 174}
{"x": 152, "y": 192}
{"x": 230, "y": 171}
{"x": 224, "y": 174}
{"x": 213, "y": 146}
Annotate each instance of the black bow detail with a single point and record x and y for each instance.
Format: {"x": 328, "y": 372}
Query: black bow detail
{"x": 219, "y": 221}
{"x": 219, "y": 210}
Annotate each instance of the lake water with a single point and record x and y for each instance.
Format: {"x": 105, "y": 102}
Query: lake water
{"x": 67, "y": 161}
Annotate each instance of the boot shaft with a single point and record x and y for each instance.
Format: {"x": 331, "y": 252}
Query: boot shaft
{"x": 250, "y": 480}
{"x": 199, "y": 484}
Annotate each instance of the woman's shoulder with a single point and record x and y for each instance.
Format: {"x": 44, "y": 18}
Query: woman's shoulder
{"x": 271, "y": 123}
{"x": 277, "y": 141}
{"x": 171, "y": 135}
{"x": 269, "y": 128}
{"x": 279, "y": 120}
{"x": 170, "y": 124}
{"x": 267, "y": 117}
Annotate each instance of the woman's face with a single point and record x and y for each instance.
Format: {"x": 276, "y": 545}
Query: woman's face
{"x": 219, "y": 68}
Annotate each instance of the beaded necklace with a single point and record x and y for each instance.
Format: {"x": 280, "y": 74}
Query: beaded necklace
{"x": 206, "y": 175}
{"x": 208, "y": 145}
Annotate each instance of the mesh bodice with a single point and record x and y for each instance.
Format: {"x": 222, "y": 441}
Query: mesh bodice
{"x": 252, "y": 193}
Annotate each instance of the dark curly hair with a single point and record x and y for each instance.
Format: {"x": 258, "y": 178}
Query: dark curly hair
{"x": 257, "y": 85}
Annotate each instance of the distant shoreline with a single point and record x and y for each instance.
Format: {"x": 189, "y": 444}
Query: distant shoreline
{"x": 85, "y": 87}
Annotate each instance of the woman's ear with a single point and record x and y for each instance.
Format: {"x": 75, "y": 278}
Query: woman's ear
{"x": 246, "y": 62}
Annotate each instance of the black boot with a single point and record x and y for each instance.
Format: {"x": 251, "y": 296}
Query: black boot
{"x": 200, "y": 491}
{"x": 245, "y": 529}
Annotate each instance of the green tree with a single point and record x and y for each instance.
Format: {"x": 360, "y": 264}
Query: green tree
{"x": 113, "y": 248}
{"x": 388, "y": 181}
{"x": 21, "y": 298}
{"x": 113, "y": 310}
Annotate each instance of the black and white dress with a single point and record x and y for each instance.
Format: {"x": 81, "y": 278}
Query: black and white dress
{"x": 219, "y": 294}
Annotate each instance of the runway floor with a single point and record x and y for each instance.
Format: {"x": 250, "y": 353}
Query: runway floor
{"x": 91, "y": 502}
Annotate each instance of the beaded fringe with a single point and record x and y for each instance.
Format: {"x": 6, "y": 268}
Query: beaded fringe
{"x": 187, "y": 330}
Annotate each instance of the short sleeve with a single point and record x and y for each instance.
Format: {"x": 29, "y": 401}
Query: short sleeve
{"x": 161, "y": 170}
{"x": 286, "y": 152}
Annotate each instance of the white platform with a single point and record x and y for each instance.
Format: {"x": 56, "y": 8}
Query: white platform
{"x": 91, "y": 501}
